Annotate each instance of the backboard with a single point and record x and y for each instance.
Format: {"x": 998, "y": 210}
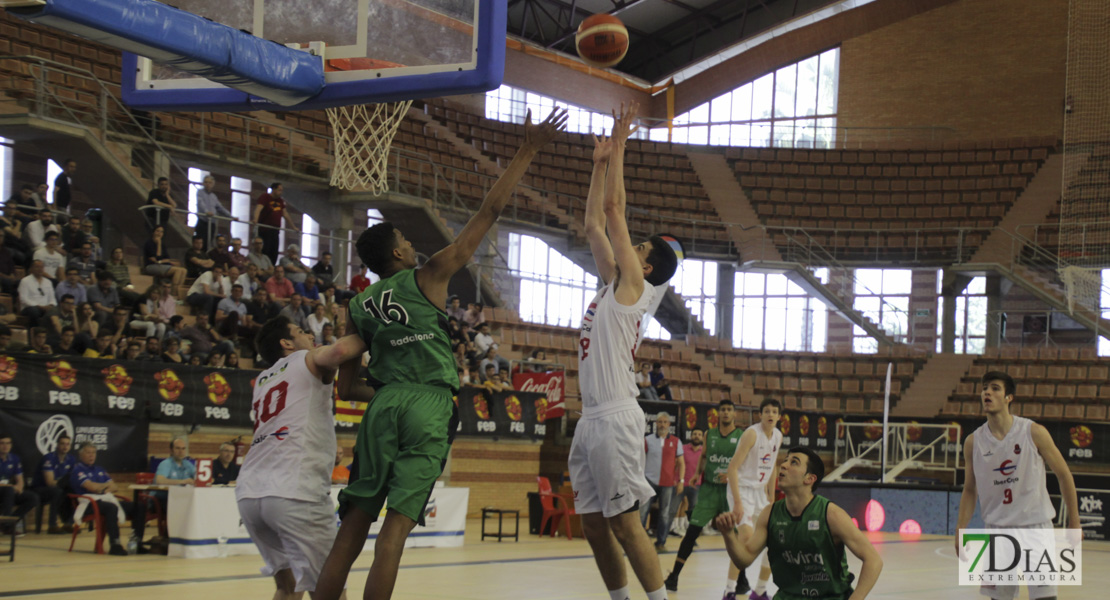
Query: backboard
{"x": 374, "y": 51}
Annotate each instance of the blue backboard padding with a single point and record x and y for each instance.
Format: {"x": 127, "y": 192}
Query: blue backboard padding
{"x": 487, "y": 75}
{"x": 189, "y": 43}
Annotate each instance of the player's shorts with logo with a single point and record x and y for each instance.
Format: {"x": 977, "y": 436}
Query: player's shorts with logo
{"x": 754, "y": 500}
{"x": 713, "y": 499}
{"x": 1008, "y": 592}
{"x": 401, "y": 449}
{"x": 607, "y": 460}
{"x": 291, "y": 534}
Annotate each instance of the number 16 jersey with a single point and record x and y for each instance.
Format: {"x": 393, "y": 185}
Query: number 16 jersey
{"x": 294, "y": 434}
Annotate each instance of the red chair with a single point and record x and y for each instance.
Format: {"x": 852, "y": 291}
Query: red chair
{"x": 551, "y": 512}
{"x": 92, "y": 518}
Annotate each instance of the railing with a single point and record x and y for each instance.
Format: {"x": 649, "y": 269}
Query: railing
{"x": 864, "y": 446}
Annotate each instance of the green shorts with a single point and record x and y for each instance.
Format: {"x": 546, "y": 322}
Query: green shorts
{"x": 712, "y": 501}
{"x": 401, "y": 449}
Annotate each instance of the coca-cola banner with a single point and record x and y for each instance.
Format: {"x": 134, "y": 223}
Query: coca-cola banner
{"x": 551, "y": 385}
{"x": 502, "y": 414}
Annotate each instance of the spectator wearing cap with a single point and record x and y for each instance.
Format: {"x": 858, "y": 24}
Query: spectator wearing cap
{"x": 51, "y": 481}
{"x": 224, "y": 469}
{"x": 36, "y": 293}
{"x": 295, "y": 269}
{"x": 52, "y": 257}
{"x": 91, "y": 480}
{"x": 15, "y": 501}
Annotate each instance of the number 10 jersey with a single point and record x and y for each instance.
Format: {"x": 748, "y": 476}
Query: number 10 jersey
{"x": 294, "y": 434}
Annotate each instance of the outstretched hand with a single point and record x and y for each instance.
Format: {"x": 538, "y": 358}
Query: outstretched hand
{"x": 603, "y": 148}
{"x": 537, "y": 136}
{"x": 625, "y": 123}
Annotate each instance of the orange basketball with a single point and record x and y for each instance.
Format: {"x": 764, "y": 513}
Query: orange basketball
{"x": 602, "y": 40}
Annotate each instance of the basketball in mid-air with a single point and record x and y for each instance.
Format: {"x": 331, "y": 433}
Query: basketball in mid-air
{"x": 602, "y": 40}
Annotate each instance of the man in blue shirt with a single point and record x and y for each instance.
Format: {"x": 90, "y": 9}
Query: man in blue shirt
{"x": 176, "y": 470}
{"x": 88, "y": 478}
{"x": 14, "y": 500}
{"x": 51, "y": 481}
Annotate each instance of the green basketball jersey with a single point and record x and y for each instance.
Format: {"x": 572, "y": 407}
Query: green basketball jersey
{"x": 718, "y": 452}
{"x": 805, "y": 560}
{"x": 406, "y": 334}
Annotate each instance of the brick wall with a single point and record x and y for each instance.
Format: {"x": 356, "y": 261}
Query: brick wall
{"x": 499, "y": 474}
{"x": 984, "y": 68}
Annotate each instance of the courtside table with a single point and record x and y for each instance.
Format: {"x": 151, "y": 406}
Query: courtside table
{"x": 501, "y": 512}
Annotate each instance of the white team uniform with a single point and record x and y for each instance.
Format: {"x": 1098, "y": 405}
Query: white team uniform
{"x": 283, "y": 486}
{"x": 756, "y": 470}
{"x": 1010, "y": 479}
{"x": 607, "y": 453}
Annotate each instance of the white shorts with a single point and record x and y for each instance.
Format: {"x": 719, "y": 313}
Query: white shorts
{"x": 291, "y": 534}
{"x": 607, "y": 463}
{"x": 754, "y": 500}
{"x": 1009, "y": 592}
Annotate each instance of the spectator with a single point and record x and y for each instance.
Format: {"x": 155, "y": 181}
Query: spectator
{"x": 236, "y": 256}
{"x": 84, "y": 263}
{"x": 8, "y": 282}
{"x": 506, "y": 381}
{"x": 11, "y": 240}
{"x": 327, "y": 334}
{"x": 15, "y": 500}
{"x": 233, "y": 317}
{"x": 161, "y": 198}
{"x": 87, "y": 227}
{"x": 309, "y": 289}
{"x": 361, "y": 281}
{"x": 691, "y": 456}
{"x": 490, "y": 380}
{"x": 52, "y": 257}
{"x": 643, "y": 382}
{"x": 71, "y": 286}
{"x": 295, "y": 269}
{"x": 473, "y": 315}
{"x": 92, "y": 480}
{"x": 158, "y": 309}
{"x": 224, "y": 469}
{"x": 216, "y": 359}
{"x": 50, "y": 483}
{"x": 157, "y": 262}
{"x": 6, "y": 344}
{"x": 339, "y": 474}
{"x": 208, "y": 207}
{"x": 493, "y": 357}
{"x": 464, "y": 332}
{"x": 665, "y": 473}
{"x": 22, "y": 206}
{"x": 538, "y": 360}
{"x": 36, "y": 294}
{"x": 219, "y": 252}
{"x": 260, "y": 309}
{"x": 295, "y": 311}
{"x": 316, "y": 322}
{"x": 196, "y": 259}
{"x": 659, "y": 382}
{"x": 259, "y": 259}
{"x": 459, "y": 350}
{"x": 280, "y": 288}
{"x": 63, "y": 185}
{"x": 232, "y": 361}
{"x": 118, "y": 324}
{"x": 170, "y": 352}
{"x": 483, "y": 341}
{"x": 177, "y": 326}
{"x": 464, "y": 377}
{"x": 34, "y": 234}
{"x": 66, "y": 344}
{"x": 453, "y": 329}
{"x": 38, "y": 342}
{"x": 122, "y": 276}
{"x": 103, "y": 296}
{"x": 249, "y": 280}
{"x": 134, "y": 351}
{"x": 86, "y": 324}
{"x": 102, "y": 346}
{"x": 40, "y": 195}
{"x": 208, "y": 290}
{"x": 196, "y": 359}
{"x": 454, "y": 308}
{"x": 153, "y": 350}
{"x": 203, "y": 338}
{"x": 269, "y": 210}
{"x": 73, "y": 236}
{"x": 324, "y": 271}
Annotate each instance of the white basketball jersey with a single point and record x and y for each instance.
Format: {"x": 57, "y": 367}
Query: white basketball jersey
{"x": 294, "y": 434}
{"x": 607, "y": 350}
{"x": 1010, "y": 477}
{"x": 760, "y": 464}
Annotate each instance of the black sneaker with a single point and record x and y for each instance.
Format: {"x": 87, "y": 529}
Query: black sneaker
{"x": 742, "y": 586}
{"x": 117, "y": 550}
{"x": 671, "y": 582}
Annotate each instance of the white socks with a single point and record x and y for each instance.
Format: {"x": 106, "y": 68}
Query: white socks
{"x": 659, "y": 594}
{"x": 730, "y": 586}
{"x": 621, "y": 594}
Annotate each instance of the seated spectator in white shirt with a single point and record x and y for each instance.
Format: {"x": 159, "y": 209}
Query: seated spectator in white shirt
{"x": 36, "y": 294}
{"x": 52, "y": 257}
{"x": 35, "y": 231}
{"x": 483, "y": 340}
{"x": 316, "y": 322}
{"x": 208, "y": 289}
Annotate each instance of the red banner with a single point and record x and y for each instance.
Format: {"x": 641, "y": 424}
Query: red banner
{"x": 552, "y": 384}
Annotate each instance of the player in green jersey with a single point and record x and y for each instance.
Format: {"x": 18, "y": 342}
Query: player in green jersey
{"x": 406, "y": 433}
{"x": 720, "y": 445}
{"x": 805, "y": 536}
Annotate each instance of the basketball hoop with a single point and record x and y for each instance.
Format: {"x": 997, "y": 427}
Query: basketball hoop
{"x": 363, "y": 135}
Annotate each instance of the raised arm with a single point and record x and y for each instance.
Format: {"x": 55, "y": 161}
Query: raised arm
{"x": 432, "y": 278}
{"x": 841, "y": 527}
{"x": 323, "y": 361}
{"x": 595, "y": 212}
{"x": 346, "y": 382}
{"x": 1055, "y": 461}
{"x": 743, "y": 554}
{"x": 630, "y": 283}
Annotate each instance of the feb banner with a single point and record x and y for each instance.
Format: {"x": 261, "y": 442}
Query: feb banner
{"x": 121, "y": 442}
{"x": 501, "y": 414}
{"x": 551, "y": 385}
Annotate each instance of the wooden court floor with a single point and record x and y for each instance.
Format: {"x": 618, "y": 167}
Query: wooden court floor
{"x": 532, "y": 569}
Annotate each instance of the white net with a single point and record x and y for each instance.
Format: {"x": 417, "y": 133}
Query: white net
{"x": 363, "y": 135}
{"x": 1085, "y": 203}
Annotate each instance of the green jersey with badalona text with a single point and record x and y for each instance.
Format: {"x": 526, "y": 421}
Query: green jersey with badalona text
{"x": 718, "y": 452}
{"x": 406, "y": 334}
{"x": 806, "y": 561}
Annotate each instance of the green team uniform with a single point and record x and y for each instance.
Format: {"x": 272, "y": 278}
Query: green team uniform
{"x": 713, "y": 496}
{"x": 408, "y": 428}
{"x": 806, "y": 562}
